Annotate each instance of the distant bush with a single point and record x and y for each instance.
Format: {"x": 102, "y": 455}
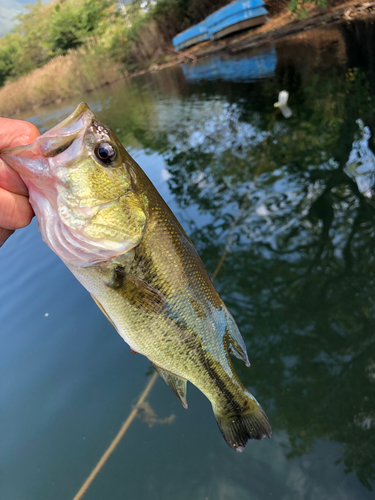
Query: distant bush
{"x": 298, "y": 6}
{"x": 10, "y": 54}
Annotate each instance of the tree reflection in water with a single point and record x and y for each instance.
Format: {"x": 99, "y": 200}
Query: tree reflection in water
{"x": 300, "y": 274}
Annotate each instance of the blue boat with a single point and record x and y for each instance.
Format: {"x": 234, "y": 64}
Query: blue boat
{"x": 233, "y": 17}
{"x": 196, "y": 34}
{"x": 236, "y": 16}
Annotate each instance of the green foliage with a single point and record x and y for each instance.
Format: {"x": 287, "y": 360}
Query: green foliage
{"x": 48, "y": 30}
{"x": 64, "y": 30}
{"x": 10, "y": 52}
{"x": 298, "y": 6}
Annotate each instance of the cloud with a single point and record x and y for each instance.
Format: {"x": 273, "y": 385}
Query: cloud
{"x": 9, "y": 9}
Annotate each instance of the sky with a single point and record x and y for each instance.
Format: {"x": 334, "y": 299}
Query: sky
{"x": 9, "y": 9}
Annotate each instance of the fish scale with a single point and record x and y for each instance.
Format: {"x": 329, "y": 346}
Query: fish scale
{"x": 107, "y": 222}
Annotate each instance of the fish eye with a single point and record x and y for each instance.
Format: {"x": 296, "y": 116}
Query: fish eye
{"x": 106, "y": 152}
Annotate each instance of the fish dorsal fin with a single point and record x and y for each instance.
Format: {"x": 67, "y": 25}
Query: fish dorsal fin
{"x": 236, "y": 343}
{"x": 137, "y": 292}
{"x": 175, "y": 383}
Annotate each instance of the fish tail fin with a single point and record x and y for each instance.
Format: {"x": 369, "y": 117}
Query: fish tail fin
{"x": 239, "y": 428}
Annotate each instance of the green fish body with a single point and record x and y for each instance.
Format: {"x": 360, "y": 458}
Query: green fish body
{"x": 101, "y": 214}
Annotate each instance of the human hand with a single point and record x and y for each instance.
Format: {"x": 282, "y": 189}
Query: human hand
{"x": 15, "y": 209}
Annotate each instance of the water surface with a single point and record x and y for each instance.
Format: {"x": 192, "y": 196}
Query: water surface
{"x": 291, "y": 202}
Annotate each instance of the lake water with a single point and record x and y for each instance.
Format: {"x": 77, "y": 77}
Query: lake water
{"x": 292, "y": 200}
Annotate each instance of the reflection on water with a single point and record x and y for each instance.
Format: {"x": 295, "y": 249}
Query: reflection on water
{"x": 295, "y": 197}
{"x": 232, "y": 68}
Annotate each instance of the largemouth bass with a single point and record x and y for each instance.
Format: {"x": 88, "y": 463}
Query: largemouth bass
{"x": 99, "y": 212}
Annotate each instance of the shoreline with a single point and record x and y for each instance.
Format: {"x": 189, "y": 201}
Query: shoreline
{"x": 347, "y": 11}
{"x": 279, "y": 26}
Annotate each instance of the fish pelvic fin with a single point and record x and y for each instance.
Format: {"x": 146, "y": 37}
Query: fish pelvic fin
{"x": 178, "y": 385}
{"x": 237, "y": 429}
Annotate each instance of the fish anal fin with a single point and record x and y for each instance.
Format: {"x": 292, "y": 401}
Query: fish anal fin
{"x": 175, "y": 383}
{"x": 137, "y": 292}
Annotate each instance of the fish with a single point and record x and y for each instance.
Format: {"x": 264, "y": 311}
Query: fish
{"x": 100, "y": 213}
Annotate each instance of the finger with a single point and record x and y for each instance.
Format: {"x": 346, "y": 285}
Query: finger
{"x": 14, "y": 133}
{"x": 4, "y": 235}
{"x": 15, "y": 210}
{"x": 10, "y": 180}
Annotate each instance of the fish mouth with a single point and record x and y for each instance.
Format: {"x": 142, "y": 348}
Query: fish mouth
{"x": 33, "y": 158}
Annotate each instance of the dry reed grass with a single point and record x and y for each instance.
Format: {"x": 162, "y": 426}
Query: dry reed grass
{"x": 64, "y": 76}
{"x": 149, "y": 44}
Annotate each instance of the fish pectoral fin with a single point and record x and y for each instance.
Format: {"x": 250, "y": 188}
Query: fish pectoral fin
{"x": 137, "y": 292}
{"x": 175, "y": 383}
{"x": 237, "y": 345}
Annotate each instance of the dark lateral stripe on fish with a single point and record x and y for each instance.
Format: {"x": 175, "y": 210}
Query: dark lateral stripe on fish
{"x": 215, "y": 376}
